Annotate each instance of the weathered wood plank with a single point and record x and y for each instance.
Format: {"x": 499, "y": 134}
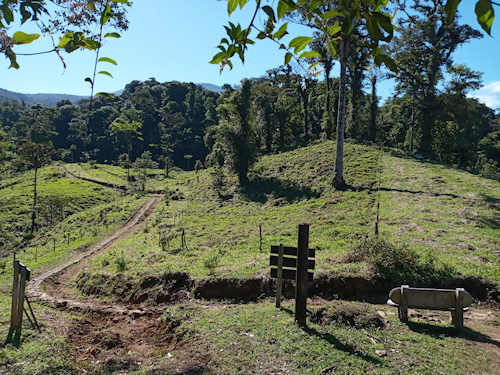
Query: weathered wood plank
{"x": 292, "y": 251}
{"x": 291, "y": 262}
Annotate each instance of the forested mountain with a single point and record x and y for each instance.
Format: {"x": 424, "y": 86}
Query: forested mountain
{"x": 184, "y": 122}
{"x": 49, "y": 100}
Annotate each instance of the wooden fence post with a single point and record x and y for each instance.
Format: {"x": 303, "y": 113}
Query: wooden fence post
{"x": 260, "y": 236}
{"x": 20, "y": 307}
{"x": 301, "y": 275}
{"x": 21, "y": 275}
{"x": 279, "y": 280}
{"x": 14, "y": 309}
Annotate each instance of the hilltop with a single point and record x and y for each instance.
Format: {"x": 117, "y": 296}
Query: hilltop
{"x": 449, "y": 218}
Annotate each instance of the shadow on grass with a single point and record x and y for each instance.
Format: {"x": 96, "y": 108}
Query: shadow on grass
{"x": 492, "y": 222}
{"x": 439, "y": 332}
{"x": 332, "y": 340}
{"x": 382, "y": 188}
{"x": 259, "y": 189}
{"x": 489, "y": 199}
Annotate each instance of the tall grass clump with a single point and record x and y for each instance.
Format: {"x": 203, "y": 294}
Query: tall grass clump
{"x": 398, "y": 262}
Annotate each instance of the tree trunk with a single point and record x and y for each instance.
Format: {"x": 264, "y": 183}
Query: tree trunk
{"x": 429, "y": 106}
{"x": 327, "y": 124}
{"x": 33, "y": 213}
{"x": 413, "y": 117}
{"x": 427, "y": 124}
{"x": 338, "y": 181}
{"x": 305, "y": 111}
{"x": 373, "y": 110}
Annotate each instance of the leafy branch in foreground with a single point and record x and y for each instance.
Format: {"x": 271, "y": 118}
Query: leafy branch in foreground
{"x": 68, "y": 15}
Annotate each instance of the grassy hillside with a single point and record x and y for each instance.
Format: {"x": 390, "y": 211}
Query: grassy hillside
{"x": 91, "y": 213}
{"x": 446, "y": 216}
{"x": 118, "y": 176}
{"x": 423, "y": 206}
{"x": 58, "y": 198}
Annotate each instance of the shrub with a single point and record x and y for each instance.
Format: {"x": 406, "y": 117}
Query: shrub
{"x": 490, "y": 169}
{"x": 121, "y": 263}
{"x": 218, "y": 179}
{"x": 213, "y": 261}
{"x": 399, "y": 263}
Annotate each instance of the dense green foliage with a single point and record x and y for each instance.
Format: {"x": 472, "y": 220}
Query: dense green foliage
{"x": 173, "y": 118}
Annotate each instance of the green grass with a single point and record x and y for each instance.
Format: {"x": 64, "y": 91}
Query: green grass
{"x": 429, "y": 207}
{"x": 258, "y": 338}
{"x": 453, "y": 214}
{"x": 91, "y": 212}
{"x": 48, "y": 352}
{"x": 40, "y": 353}
{"x": 118, "y": 176}
{"x": 295, "y": 187}
{"x": 58, "y": 198}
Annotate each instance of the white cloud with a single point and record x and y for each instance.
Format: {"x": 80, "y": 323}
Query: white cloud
{"x": 489, "y": 95}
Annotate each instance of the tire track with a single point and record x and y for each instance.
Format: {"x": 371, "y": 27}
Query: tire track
{"x": 34, "y": 287}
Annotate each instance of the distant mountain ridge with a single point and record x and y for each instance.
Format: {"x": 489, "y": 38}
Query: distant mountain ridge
{"x": 50, "y": 100}
{"x": 211, "y": 87}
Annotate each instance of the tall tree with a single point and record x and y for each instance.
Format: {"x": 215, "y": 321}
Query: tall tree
{"x": 236, "y": 133}
{"x": 426, "y": 43}
{"x": 141, "y": 165}
{"x": 334, "y": 23}
{"x": 36, "y": 148}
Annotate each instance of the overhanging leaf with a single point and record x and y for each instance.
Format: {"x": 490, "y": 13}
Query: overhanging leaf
{"x": 231, "y": 6}
{"x": 485, "y": 14}
{"x": 282, "y": 31}
{"x": 108, "y": 60}
{"x": 299, "y": 43}
{"x": 103, "y": 72}
{"x": 23, "y": 38}
{"x": 309, "y": 54}
{"x": 7, "y": 13}
{"x": 112, "y": 35}
{"x": 451, "y": 9}
{"x": 105, "y": 94}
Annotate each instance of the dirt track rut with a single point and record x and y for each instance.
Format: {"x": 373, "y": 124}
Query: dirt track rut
{"x": 35, "y": 286}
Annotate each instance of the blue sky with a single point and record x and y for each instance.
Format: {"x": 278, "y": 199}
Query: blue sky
{"x": 174, "y": 40}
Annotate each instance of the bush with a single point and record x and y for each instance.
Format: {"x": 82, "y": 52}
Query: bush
{"x": 490, "y": 169}
{"x": 399, "y": 263}
{"x": 213, "y": 261}
{"x": 121, "y": 263}
{"x": 218, "y": 179}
